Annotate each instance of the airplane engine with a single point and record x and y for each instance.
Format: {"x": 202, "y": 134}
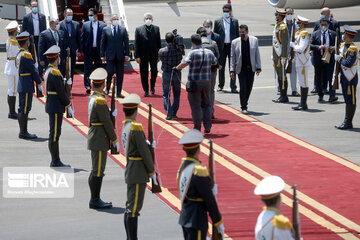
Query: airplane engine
{"x": 312, "y": 4}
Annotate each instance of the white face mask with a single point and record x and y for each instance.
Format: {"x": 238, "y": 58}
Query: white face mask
{"x": 148, "y": 22}
{"x": 208, "y": 30}
{"x": 115, "y": 22}
{"x": 289, "y": 17}
{"x": 324, "y": 28}
{"x": 57, "y": 27}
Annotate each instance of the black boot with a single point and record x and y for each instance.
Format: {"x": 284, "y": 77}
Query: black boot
{"x": 349, "y": 114}
{"x": 132, "y": 223}
{"x": 302, "y": 105}
{"x": 95, "y": 187}
{"x": 283, "y": 94}
{"x": 11, "y": 102}
{"x": 23, "y": 120}
{"x": 55, "y": 156}
{"x": 126, "y": 225}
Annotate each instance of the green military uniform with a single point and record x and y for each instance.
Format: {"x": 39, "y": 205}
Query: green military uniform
{"x": 280, "y": 51}
{"x": 139, "y": 166}
{"x": 100, "y": 133}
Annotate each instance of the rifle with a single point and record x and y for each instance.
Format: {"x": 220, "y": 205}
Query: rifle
{"x": 68, "y": 76}
{"x": 335, "y": 80}
{"x": 215, "y": 234}
{"x": 295, "y": 215}
{"x": 112, "y": 109}
{"x": 292, "y": 52}
{"x": 33, "y": 52}
{"x": 154, "y": 188}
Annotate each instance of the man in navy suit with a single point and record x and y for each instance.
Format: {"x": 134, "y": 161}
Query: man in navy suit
{"x": 321, "y": 40}
{"x": 90, "y": 45}
{"x": 34, "y": 23}
{"x": 49, "y": 37}
{"x": 71, "y": 31}
{"x": 114, "y": 49}
{"x": 228, "y": 29}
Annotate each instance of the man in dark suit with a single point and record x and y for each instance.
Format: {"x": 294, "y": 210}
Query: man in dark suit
{"x": 208, "y": 25}
{"x": 321, "y": 40}
{"x": 49, "y": 37}
{"x": 147, "y": 46}
{"x": 90, "y": 45}
{"x": 34, "y": 23}
{"x": 87, "y": 4}
{"x": 72, "y": 36}
{"x": 114, "y": 49}
{"x": 228, "y": 29}
{"x": 65, "y": 3}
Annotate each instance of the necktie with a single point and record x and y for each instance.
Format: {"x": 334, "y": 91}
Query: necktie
{"x": 56, "y": 37}
{"x": 324, "y": 39}
{"x": 114, "y": 31}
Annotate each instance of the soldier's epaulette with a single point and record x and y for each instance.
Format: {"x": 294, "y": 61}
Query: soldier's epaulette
{"x": 304, "y": 33}
{"x": 200, "y": 170}
{"x": 136, "y": 127}
{"x": 281, "y": 222}
{"x": 27, "y": 54}
{"x": 352, "y": 48}
{"x": 13, "y": 42}
{"x": 55, "y": 72}
{"x": 100, "y": 101}
{"x": 282, "y": 26}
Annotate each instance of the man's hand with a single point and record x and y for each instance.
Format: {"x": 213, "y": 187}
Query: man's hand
{"x": 214, "y": 190}
{"x": 337, "y": 57}
{"x": 221, "y": 229}
{"x": 321, "y": 47}
{"x": 114, "y": 113}
{"x": 42, "y": 63}
{"x": 138, "y": 60}
{"x": 258, "y": 72}
{"x": 71, "y": 112}
{"x": 103, "y": 59}
{"x": 332, "y": 49}
{"x": 153, "y": 177}
{"x": 127, "y": 59}
{"x": 41, "y": 89}
{"x": 117, "y": 146}
{"x": 232, "y": 75}
{"x": 69, "y": 81}
{"x": 175, "y": 69}
{"x": 36, "y": 65}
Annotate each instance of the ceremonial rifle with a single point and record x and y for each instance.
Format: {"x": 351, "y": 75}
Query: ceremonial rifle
{"x": 215, "y": 234}
{"x": 292, "y": 52}
{"x": 154, "y": 188}
{"x": 68, "y": 76}
{"x": 33, "y": 52}
{"x": 295, "y": 215}
{"x": 112, "y": 109}
{"x": 335, "y": 80}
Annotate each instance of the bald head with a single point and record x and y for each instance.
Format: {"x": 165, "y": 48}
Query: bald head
{"x": 325, "y": 11}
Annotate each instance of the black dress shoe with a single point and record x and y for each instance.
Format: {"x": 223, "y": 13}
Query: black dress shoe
{"x": 97, "y": 203}
{"x": 345, "y": 125}
{"x": 219, "y": 89}
{"x": 281, "y": 99}
{"x": 152, "y": 91}
{"x": 58, "y": 163}
{"x": 321, "y": 100}
{"x": 314, "y": 91}
{"x": 333, "y": 99}
{"x": 146, "y": 94}
{"x": 295, "y": 94}
{"x": 207, "y": 131}
{"x": 13, "y": 115}
{"x": 26, "y": 135}
{"x": 245, "y": 111}
{"x": 88, "y": 91}
{"x": 234, "y": 91}
{"x": 169, "y": 117}
{"x": 120, "y": 96}
{"x": 300, "y": 107}
{"x": 106, "y": 92}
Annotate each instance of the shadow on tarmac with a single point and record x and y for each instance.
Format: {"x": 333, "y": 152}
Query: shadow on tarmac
{"x": 113, "y": 210}
{"x": 39, "y": 139}
{"x": 256, "y": 114}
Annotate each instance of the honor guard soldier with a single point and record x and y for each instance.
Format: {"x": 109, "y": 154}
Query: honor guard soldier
{"x": 301, "y": 48}
{"x": 280, "y": 45}
{"x": 101, "y": 132}
{"x": 28, "y": 74}
{"x": 139, "y": 164}
{"x": 271, "y": 224}
{"x": 10, "y": 68}
{"x": 348, "y": 60}
{"x": 56, "y": 102}
{"x": 196, "y": 196}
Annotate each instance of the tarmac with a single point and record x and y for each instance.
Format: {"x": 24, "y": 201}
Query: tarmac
{"x": 72, "y": 219}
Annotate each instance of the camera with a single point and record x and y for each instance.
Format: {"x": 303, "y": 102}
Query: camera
{"x": 179, "y": 42}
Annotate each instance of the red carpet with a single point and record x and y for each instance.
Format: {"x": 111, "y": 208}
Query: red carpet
{"x": 327, "y": 182}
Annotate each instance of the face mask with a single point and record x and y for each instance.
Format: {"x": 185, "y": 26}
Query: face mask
{"x": 115, "y": 23}
{"x": 324, "y": 28}
{"x": 69, "y": 18}
{"x": 242, "y": 35}
{"x": 289, "y": 17}
{"x": 91, "y": 18}
{"x": 34, "y": 9}
{"x": 226, "y": 15}
{"x": 57, "y": 27}
{"x": 208, "y": 30}
{"x": 148, "y": 22}
{"x": 322, "y": 16}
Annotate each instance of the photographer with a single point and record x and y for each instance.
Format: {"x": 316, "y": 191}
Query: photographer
{"x": 170, "y": 56}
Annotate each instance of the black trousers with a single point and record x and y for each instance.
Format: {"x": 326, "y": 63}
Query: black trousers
{"x": 55, "y": 122}
{"x": 118, "y": 66}
{"x": 144, "y": 73}
{"x": 246, "y": 79}
{"x": 73, "y": 63}
{"x": 226, "y": 55}
{"x": 194, "y": 234}
{"x": 85, "y": 5}
{"x": 323, "y": 78}
{"x": 91, "y": 62}
{"x": 68, "y": 4}
{"x": 40, "y": 68}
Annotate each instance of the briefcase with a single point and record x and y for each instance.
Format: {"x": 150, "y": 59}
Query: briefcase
{"x": 326, "y": 56}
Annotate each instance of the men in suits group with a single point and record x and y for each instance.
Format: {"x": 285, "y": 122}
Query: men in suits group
{"x": 323, "y": 40}
{"x": 34, "y": 23}
{"x": 71, "y": 31}
{"x": 147, "y": 46}
{"x": 228, "y": 29}
{"x": 245, "y": 61}
{"x": 49, "y": 37}
{"x": 90, "y": 45}
{"x": 114, "y": 49}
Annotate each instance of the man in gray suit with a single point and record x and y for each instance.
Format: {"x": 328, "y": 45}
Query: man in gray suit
{"x": 245, "y": 61}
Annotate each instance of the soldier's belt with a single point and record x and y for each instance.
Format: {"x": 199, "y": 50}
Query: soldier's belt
{"x": 96, "y": 124}
{"x": 9, "y": 58}
{"x": 52, "y": 93}
{"x": 25, "y": 74}
{"x": 196, "y": 199}
{"x": 135, "y": 158}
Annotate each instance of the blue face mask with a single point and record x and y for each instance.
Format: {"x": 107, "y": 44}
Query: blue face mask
{"x": 69, "y": 18}
{"x": 91, "y": 18}
{"x": 226, "y": 15}
{"x": 322, "y": 16}
{"x": 34, "y": 9}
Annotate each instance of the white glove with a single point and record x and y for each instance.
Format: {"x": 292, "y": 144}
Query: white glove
{"x": 117, "y": 146}
{"x": 114, "y": 113}
{"x": 69, "y": 81}
{"x": 283, "y": 61}
{"x": 337, "y": 57}
{"x": 153, "y": 177}
{"x": 71, "y": 112}
{"x": 292, "y": 44}
{"x": 41, "y": 89}
{"x": 36, "y": 65}
{"x": 214, "y": 190}
{"x": 153, "y": 145}
{"x": 221, "y": 229}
